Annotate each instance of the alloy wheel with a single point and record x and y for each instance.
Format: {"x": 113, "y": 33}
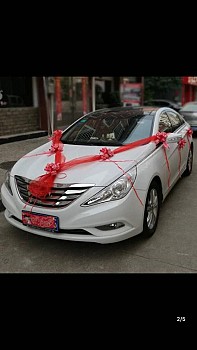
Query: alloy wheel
{"x": 152, "y": 208}
{"x": 190, "y": 161}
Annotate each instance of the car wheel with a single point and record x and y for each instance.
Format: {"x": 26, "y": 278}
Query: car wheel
{"x": 188, "y": 169}
{"x": 152, "y": 209}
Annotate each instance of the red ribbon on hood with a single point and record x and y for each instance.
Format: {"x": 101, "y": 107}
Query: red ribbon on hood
{"x": 41, "y": 186}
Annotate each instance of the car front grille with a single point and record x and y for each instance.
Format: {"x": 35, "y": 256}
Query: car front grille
{"x": 61, "y": 195}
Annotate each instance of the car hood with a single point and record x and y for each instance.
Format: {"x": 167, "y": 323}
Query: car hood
{"x": 99, "y": 173}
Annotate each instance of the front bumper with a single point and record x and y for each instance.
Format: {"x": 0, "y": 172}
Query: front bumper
{"x": 128, "y": 210}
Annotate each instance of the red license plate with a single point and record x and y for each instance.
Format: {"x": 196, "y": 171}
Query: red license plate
{"x": 41, "y": 221}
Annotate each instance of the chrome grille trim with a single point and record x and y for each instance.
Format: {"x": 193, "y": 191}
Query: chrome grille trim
{"x": 60, "y": 197}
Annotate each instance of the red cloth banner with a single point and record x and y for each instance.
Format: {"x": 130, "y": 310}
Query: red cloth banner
{"x": 58, "y": 98}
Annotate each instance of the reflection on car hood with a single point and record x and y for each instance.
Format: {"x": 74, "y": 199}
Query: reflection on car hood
{"x": 100, "y": 173}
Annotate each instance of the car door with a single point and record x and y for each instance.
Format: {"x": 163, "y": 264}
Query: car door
{"x": 179, "y": 126}
{"x": 170, "y": 155}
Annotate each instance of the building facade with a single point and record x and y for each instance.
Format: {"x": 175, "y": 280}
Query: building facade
{"x": 30, "y": 104}
{"x": 20, "y": 105}
{"x": 189, "y": 89}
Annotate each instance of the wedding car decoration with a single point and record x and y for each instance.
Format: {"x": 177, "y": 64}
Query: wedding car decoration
{"x": 112, "y": 193}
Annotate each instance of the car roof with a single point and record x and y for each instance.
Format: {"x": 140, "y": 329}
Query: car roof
{"x": 136, "y": 109}
{"x": 162, "y": 100}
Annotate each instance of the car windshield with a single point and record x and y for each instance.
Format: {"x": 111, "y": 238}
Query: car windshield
{"x": 190, "y": 107}
{"x": 109, "y": 127}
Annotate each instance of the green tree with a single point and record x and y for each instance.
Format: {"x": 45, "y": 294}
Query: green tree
{"x": 162, "y": 87}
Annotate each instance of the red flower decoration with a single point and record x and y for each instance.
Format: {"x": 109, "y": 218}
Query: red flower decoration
{"x": 56, "y": 136}
{"x": 56, "y": 147}
{"x": 181, "y": 143}
{"x": 106, "y": 153}
{"x": 161, "y": 137}
{"x": 52, "y": 168}
{"x": 189, "y": 132}
{"x": 39, "y": 188}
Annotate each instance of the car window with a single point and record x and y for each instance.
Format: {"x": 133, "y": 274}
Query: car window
{"x": 175, "y": 120}
{"x": 164, "y": 123}
{"x": 110, "y": 128}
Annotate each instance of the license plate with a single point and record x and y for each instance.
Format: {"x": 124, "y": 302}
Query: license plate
{"x": 40, "y": 221}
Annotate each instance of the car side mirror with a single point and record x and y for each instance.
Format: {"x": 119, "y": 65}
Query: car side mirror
{"x": 174, "y": 138}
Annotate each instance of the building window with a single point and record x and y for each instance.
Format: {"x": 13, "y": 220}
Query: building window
{"x": 16, "y": 92}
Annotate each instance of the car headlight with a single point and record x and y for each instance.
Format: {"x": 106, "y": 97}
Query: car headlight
{"x": 116, "y": 190}
{"x": 7, "y": 182}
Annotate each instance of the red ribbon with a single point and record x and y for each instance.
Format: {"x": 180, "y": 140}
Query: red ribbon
{"x": 106, "y": 153}
{"x": 56, "y": 146}
{"x": 189, "y": 134}
{"x": 161, "y": 138}
{"x": 181, "y": 144}
{"x": 41, "y": 186}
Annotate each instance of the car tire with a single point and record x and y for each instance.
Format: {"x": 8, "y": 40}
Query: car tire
{"x": 188, "y": 169}
{"x": 152, "y": 209}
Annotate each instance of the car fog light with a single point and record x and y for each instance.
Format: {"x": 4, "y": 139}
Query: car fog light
{"x": 112, "y": 226}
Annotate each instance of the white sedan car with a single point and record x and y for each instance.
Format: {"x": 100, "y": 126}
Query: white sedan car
{"x": 103, "y": 179}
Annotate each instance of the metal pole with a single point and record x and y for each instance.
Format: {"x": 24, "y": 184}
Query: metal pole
{"x": 47, "y": 106}
{"x": 142, "y": 98}
{"x": 93, "y": 94}
{"x": 52, "y": 112}
{"x": 72, "y": 98}
{"x": 84, "y": 96}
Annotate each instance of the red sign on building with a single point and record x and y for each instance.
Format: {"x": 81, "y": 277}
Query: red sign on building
{"x": 189, "y": 89}
{"x": 190, "y": 80}
{"x": 131, "y": 93}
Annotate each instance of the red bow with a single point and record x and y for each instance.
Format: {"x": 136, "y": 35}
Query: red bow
{"x": 161, "y": 137}
{"x": 56, "y": 147}
{"x": 56, "y": 136}
{"x": 107, "y": 153}
{"x": 189, "y": 132}
{"x": 52, "y": 168}
{"x": 181, "y": 143}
